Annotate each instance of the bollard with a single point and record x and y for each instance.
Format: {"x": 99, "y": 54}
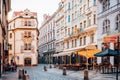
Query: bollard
{"x": 26, "y": 77}
{"x": 45, "y": 68}
{"x": 86, "y": 75}
{"x": 50, "y": 66}
{"x": 64, "y": 70}
{"x": 21, "y": 74}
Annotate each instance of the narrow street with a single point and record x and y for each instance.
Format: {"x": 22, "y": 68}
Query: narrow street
{"x": 38, "y": 73}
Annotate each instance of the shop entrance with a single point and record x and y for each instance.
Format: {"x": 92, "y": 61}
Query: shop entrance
{"x": 27, "y": 61}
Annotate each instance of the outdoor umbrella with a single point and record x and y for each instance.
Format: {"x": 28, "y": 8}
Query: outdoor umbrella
{"x": 107, "y": 52}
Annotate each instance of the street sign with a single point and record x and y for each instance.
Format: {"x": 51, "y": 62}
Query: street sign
{"x": 110, "y": 39}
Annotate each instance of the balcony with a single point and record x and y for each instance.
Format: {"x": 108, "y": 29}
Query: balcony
{"x": 90, "y": 10}
{"x": 110, "y": 10}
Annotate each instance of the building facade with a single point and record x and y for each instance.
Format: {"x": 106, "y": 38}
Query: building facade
{"x": 108, "y": 25}
{"x": 23, "y": 38}
{"x": 5, "y": 7}
{"x": 75, "y": 29}
{"x": 47, "y": 38}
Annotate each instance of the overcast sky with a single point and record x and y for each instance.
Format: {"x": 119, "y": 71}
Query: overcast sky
{"x": 40, "y": 6}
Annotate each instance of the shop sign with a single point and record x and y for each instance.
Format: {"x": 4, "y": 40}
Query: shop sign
{"x": 110, "y": 39}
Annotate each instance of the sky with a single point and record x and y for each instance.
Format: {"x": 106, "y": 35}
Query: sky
{"x": 40, "y": 6}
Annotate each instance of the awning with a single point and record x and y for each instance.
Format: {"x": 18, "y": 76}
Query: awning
{"x": 63, "y": 53}
{"x": 88, "y": 53}
{"x": 107, "y": 52}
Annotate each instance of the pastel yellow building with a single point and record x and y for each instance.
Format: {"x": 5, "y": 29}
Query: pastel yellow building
{"x": 23, "y": 38}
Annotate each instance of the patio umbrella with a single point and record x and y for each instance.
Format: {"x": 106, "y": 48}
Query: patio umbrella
{"x": 107, "y": 52}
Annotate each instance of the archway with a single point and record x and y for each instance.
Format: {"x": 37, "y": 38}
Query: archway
{"x": 27, "y": 61}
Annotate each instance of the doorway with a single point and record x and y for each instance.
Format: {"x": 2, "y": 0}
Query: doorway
{"x": 27, "y": 61}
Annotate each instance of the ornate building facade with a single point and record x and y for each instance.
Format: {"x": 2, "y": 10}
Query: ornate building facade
{"x": 76, "y": 28}
{"x": 23, "y": 38}
{"x": 108, "y": 25}
{"x": 5, "y": 7}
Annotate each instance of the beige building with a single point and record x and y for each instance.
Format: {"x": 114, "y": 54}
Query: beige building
{"x": 5, "y": 6}
{"x": 23, "y": 38}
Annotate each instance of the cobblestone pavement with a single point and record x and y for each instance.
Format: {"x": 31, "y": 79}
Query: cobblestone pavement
{"x": 37, "y": 73}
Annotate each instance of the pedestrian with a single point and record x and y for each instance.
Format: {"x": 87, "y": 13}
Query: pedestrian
{"x": 15, "y": 66}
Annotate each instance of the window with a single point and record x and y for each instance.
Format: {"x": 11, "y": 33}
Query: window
{"x": 84, "y": 24}
{"x": 10, "y": 46}
{"x": 69, "y": 18}
{"x": 81, "y": 25}
{"x": 75, "y": 42}
{"x": 75, "y": 14}
{"x": 84, "y": 40}
{"x": 27, "y": 23}
{"x": 80, "y": 10}
{"x": 10, "y": 35}
{"x": 106, "y": 4}
{"x": 25, "y": 34}
{"x": 89, "y": 20}
{"x": 72, "y": 16}
{"x": 27, "y": 46}
{"x": 106, "y": 26}
{"x": 68, "y": 5}
{"x": 29, "y": 34}
{"x": 68, "y": 44}
{"x": 94, "y": 2}
{"x": 72, "y": 3}
{"x": 65, "y": 31}
{"x": 80, "y": 41}
{"x": 72, "y": 43}
{"x": 94, "y": 19}
{"x": 91, "y": 38}
{"x": 80, "y": 1}
{"x": 117, "y": 22}
{"x": 84, "y": 8}
{"x": 72, "y": 29}
{"x": 68, "y": 30}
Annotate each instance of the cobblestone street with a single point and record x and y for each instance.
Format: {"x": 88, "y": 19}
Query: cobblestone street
{"x": 37, "y": 73}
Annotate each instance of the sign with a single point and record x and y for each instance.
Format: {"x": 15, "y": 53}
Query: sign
{"x": 110, "y": 39}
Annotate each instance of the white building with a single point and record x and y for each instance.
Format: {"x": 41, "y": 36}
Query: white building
{"x": 76, "y": 28}
{"x": 108, "y": 25}
{"x": 46, "y": 42}
{"x": 22, "y": 35}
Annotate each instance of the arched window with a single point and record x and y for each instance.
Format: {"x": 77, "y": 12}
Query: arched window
{"x": 106, "y": 26}
{"x": 117, "y": 22}
{"x": 106, "y": 4}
